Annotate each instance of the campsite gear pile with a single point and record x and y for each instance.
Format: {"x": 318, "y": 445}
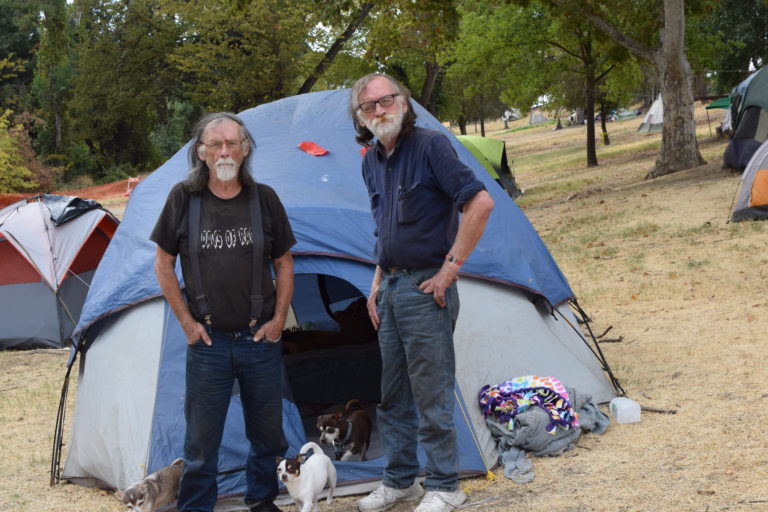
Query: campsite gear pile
{"x": 507, "y": 400}
{"x": 50, "y": 246}
{"x": 536, "y": 427}
{"x": 516, "y": 307}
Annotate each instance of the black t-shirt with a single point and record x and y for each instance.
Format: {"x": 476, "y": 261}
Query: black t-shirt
{"x": 226, "y": 250}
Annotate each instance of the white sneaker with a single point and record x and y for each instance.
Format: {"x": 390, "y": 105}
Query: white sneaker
{"x": 441, "y": 501}
{"x": 385, "y": 497}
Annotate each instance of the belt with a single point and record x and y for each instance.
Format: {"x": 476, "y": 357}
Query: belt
{"x": 393, "y": 270}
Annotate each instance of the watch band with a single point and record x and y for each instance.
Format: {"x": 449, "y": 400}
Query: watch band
{"x": 453, "y": 259}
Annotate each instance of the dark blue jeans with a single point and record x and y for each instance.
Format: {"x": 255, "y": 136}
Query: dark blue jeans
{"x": 210, "y": 374}
{"x": 417, "y": 381}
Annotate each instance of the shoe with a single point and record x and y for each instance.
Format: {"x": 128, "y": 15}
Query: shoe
{"x": 264, "y": 506}
{"x": 385, "y": 497}
{"x": 441, "y": 501}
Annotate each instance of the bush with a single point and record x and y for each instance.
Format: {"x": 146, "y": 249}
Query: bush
{"x": 15, "y": 176}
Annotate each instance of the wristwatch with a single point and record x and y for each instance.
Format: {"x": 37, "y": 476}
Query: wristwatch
{"x": 453, "y": 259}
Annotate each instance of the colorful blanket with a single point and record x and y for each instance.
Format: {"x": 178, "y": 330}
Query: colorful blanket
{"x": 514, "y": 396}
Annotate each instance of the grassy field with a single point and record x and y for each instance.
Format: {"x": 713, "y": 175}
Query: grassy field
{"x": 655, "y": 260}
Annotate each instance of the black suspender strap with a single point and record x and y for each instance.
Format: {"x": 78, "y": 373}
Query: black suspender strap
{"x": 193, "y": 239}
{"x": 257, "y": 234}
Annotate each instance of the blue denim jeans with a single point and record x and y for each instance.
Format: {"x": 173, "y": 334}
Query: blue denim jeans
{"x": 210, "y": 374}
{"x": 417, "y": 381}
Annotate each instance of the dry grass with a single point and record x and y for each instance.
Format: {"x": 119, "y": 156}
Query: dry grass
{"x": 655, "y": 260}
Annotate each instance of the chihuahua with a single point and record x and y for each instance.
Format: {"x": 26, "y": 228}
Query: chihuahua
{"x": 348, "y": 431}
{"x": 305, "y": 477}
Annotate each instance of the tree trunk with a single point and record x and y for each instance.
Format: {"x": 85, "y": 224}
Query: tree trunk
{"x": 603, "y": 126}
{"x": 462, "y": 122}
{"x": 679, "y": 147}
{"x": 589, "y": 112}
{"x": 431, "y": 69}
{"x": 482, "y": 126}
{"x": 335, "y": 48}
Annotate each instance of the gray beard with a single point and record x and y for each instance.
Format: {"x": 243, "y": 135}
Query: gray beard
{"x": 385, "y": 131}
{"x": 226, "y": 170}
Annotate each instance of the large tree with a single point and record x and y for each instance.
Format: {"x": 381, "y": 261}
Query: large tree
{"x": 19, "y": 38}
{"x": 123, "y": 80}
{"x": 534, "y": 50}
{"x": 52, "y": 82}
{"x": 330, "y": 16}
{"x": 743, "y": 27}
{"x": 238, "y": 59}
{"x": 679, "y": 147}
{"x": 406, "y": 39}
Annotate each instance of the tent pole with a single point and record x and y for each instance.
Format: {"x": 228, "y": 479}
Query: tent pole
{"x": 58, "y": 433}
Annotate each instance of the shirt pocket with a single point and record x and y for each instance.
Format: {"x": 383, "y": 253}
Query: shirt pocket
{"x": 409, "y": 204}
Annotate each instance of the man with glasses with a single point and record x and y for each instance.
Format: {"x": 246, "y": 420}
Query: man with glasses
{"x": 226, "y": 228}
{"x": 417, "y": 187}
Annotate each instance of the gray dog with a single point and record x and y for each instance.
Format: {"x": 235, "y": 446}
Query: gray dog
{"x": 156, "y": 490}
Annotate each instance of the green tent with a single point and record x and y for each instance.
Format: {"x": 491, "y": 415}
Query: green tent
{"x": 492, "y": 154}
{"x": 720, "y": 103}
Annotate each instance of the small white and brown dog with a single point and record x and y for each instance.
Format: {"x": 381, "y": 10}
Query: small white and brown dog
{"x": 305, "y": 477}
{"x": 349, "y": 431}
{"x": 156, "y": 490}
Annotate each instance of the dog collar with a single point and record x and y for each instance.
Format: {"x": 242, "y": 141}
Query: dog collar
{"x": 349, "y": 432}
{"x": 339, "y": 445}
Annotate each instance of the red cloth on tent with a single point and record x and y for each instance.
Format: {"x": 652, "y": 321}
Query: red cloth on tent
{"x": 312, "y": 148}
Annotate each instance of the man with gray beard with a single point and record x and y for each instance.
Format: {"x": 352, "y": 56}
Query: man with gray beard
{"x": 417, "y": 186}
{"x": 226, "y": 228}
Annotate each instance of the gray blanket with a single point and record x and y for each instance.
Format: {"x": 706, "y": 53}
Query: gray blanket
{"x": 529, "y": 435}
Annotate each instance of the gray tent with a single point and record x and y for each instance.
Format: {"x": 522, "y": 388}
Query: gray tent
{"x": 50, "y": 247}
{"x": 654, "y": 119}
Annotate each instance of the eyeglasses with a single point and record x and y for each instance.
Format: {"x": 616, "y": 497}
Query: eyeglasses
{"x": 384, "y": 101}
{"x": 217, "y": 145}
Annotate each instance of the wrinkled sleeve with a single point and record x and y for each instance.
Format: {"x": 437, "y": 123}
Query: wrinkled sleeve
{"x": 455, "y": 179}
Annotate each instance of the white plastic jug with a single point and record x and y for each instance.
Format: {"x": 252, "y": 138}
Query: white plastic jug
{"x": 625, "y": 410}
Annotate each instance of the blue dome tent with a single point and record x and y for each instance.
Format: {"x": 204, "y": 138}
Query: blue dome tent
{"x": 515, "y": 316}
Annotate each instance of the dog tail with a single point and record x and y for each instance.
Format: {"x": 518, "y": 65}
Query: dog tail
{"x": 310, "y": 445}
{"x": 354, "y": 405}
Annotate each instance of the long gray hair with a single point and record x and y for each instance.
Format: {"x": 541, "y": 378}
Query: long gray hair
{"x": 364, "y": 135}
{"x": 198, "y": 169}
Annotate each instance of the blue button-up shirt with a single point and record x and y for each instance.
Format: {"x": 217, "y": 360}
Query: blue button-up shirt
{"x": 416, "y": 194}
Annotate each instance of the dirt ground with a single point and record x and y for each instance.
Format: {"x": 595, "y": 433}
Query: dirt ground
{"x": 654, "y": 260}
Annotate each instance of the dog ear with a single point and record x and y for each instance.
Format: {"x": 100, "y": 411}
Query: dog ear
{"x": 302, "y": 457}
{"x": 338, "y": 415}
{"x": 278, "y": 460}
